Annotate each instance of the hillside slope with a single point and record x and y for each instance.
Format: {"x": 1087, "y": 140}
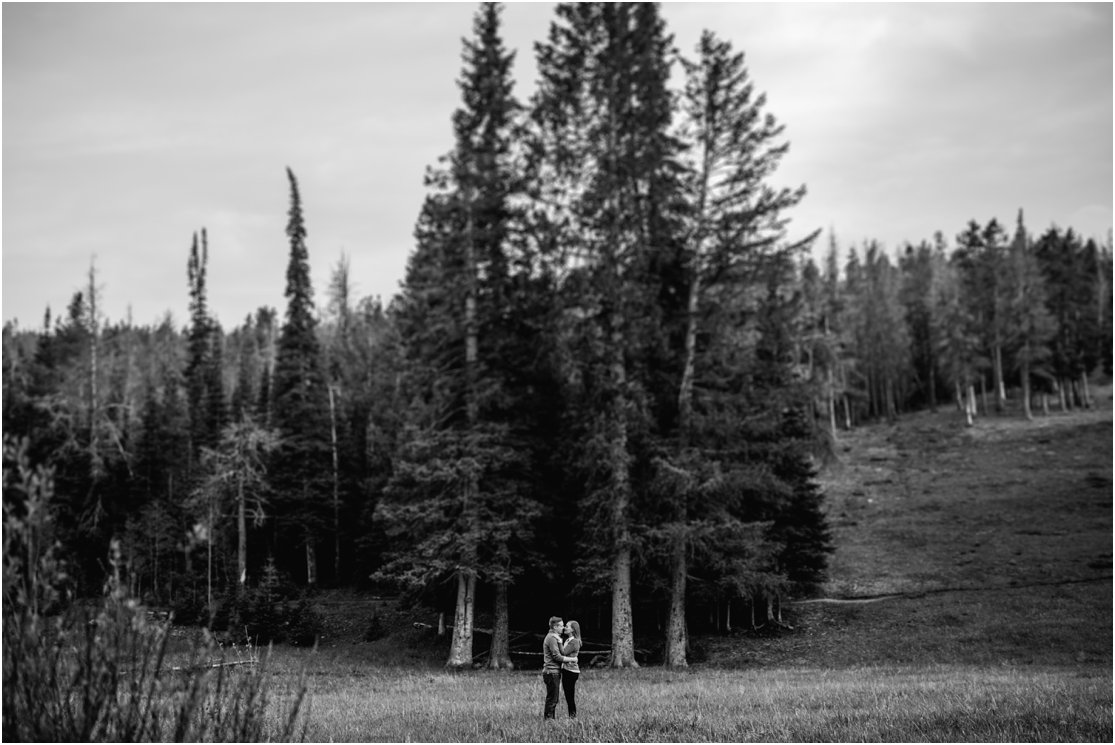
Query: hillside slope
{"x": 987, "y": 545}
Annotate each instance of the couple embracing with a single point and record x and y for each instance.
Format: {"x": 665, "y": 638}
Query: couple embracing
{"x": 559, "y": 663}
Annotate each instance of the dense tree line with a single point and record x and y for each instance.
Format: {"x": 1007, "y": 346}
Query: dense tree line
{"x": 963, "y": 324}
{"x": 600, "y": 391}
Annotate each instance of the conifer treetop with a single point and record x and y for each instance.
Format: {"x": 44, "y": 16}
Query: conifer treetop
{"x": 299, "y": 291}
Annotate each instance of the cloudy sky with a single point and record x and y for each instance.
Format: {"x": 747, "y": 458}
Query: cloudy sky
{"x": 128, "y": 127}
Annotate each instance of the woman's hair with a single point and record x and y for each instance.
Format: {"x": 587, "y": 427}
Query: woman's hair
{"x": 574, "y": 628}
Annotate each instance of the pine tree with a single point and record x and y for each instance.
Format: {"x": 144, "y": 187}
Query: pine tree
{"x": 981, "y": 258}
{"x": 837, "y": 342}
{"x": 1070, "y": 267}
{"x": 267, "y": 343}
{"x": 955, "y": 337}
{"x": 916, "y": 267}
{"x": 736, "y": 241}
{"x": 245, "y": 393}
{"x": 884, "y": 344}
{"x": 1104, "y": 276}
{"x": 457, "y": 319}
{"x": 161, "y": 468}
{"x": 300, "y": 409}
{"x": 203, "y": 383}
{"x": 604, "y": 182}
{"x": 235, "y": 476}
{"x": 735, "y": 216}
{"x": 1029, "y": 327}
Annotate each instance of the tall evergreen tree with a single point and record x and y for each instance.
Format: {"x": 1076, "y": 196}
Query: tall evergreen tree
{"x": 955, "y": 336}
{"x": 1029, "y": 326}
{"x": 735, "y": 225}
{"x": 841, "y": 358}
{"x": 736, "y": 218}
{"x": 885, "y": 348}
{"x": 457, "y": 321}
{"x": 245, "y": 393}
{"x": 981, "y": 258}
{"x": 605, "y": 181}
{"x": 916, "y": 266}
{"x": 204, "y": 393}
{"x": 1070, "y": 266}
{"x": 300, "y": 411}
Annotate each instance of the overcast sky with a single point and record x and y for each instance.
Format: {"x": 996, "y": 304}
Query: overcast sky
{"x": 128, "y": 127}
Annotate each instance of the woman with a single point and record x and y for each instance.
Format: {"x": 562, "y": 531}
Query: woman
{"x": 570, "y": 671}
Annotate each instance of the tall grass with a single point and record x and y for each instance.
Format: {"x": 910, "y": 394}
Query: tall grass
{"x": 76, "y": 673}
{"x": 898, "y": 704}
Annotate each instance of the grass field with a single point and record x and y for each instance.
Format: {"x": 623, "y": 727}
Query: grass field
{"x": 889, "y": 703}
{"x": 970, "y": 599}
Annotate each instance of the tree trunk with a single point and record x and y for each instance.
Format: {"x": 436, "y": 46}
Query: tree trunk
{"x": 441, "y": 624}
{"x": 1026, "y": 410}
{"x": 460, "y": 650}
{"x": 970, "y": 406}
{"x": 1000, "y": 387}
{"x": 1085, "y": 394}
{"x": 832, "y": 403}
{"x": 677, "y": 636}
{"x": 685, "y": 392}
{"x": 932, "y": 387}
{"x": 209, "y": 562}
{"x": 623, "y": 643}
{"x": 336, "y": 492}
{"x": 94, "y": 358}
{"x": 311, "y": 562}
{"x": 892, "y": 404}
{"x": 500, "y": 656}
{"x": 241, "y": 539}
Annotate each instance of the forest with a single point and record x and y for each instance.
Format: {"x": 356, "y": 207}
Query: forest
{"x": 604, "y": 388}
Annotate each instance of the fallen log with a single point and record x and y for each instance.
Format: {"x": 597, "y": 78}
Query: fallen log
{"x": 211, "y": 666}
{"x": 420, "y": 625}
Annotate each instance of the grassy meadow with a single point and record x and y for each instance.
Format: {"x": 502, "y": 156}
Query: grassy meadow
{"x": 970, "y": 599}
{"x": 889, "y": 703}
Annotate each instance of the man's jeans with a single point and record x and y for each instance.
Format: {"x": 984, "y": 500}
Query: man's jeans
{"x": 552, "y": 681}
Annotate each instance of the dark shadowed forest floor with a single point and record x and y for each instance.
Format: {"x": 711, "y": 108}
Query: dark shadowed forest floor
{"x": 985, "y": 545}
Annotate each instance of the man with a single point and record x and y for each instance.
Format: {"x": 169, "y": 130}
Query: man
{"x": 551, "y": 665}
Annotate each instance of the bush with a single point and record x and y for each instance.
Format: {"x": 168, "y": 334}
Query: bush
{"x": 264, "y": 615}
{"x": 303, "y": 624}
{"x": 258, "y": 617}
{"x": 79, "y": 674}
{"x": 188, "y": 609}
{"x": 375, "y": 630}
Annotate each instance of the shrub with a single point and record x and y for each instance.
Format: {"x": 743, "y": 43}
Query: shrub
{"x": 303, "y": 624}
{"x": 188, "y": 608}
{"x": 257, "y": 616}
{"x": 75, "y": 674}
{"x": 269, "y": 614}
{"x": 375, "y": 629}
